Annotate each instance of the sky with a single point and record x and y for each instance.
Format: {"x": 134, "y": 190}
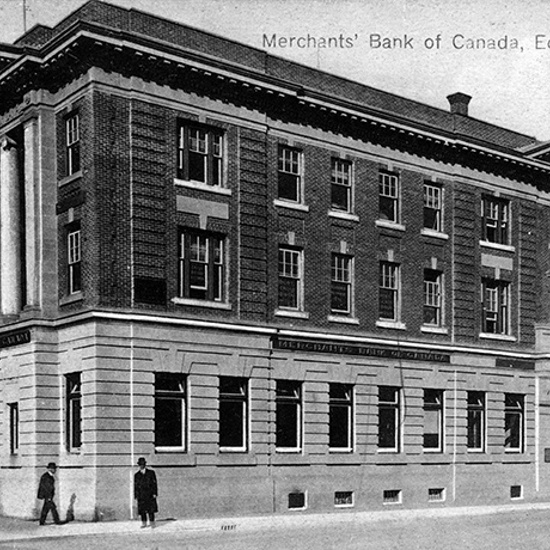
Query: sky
{"x": 420, "y": 49}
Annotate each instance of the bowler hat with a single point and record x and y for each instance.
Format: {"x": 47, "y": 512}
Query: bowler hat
{"x": 52, "y": 466}
{"x": 141, "y": 461}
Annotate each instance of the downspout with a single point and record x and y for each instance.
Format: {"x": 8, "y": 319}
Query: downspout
{"x": 454, "y": 433}
{"x": 132, "y": 295}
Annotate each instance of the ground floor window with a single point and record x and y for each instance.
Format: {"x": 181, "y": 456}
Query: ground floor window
{"x": 288, "y": 415}
{"x": 341, "y": 417}
{"x": 514, "y": 404}
{"x": 433, "y": 420}
{"x": 233, "y": 413}
{"x": 170, "y": 410}
{"x": 74, "y": 411}
{"x": 14, "y": 427}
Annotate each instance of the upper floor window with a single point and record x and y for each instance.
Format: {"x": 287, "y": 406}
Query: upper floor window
{"x": 290, "y": 278}
{"x": 288, "y": 415}
{"x": 72, "y": 144}
{"x": 433, "y": 207}
{"x": 389, "y": 418}
{"x": 74, "y": 259}
{"x": 233, "y": 413}
{"x": 73, "y": 411}
{"x": 200, "y": 155}
{"x": 340, "y": 430}
{"x": 201, "y": 266}
{"x": 341, "y": 185}
{"x": 341, "y": 284}
{"x": 495, "y": 214}
{"x": 388, "y": 186}
{"x": 388, "y": 292}
{"x": 476, "y": 420}
{"x": 290, "y": 176}
{"x": 433, "y": 291}
{"x": 514, "y": 418}
{"x": 170, "y": 410}
{"x": 433, "y": 420}
{"x": 495, "y": 306}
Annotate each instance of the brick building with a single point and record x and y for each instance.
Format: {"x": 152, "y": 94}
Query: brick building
{"x": 288, "y": 291}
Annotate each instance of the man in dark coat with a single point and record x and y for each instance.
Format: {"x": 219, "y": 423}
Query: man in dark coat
{"x": 46, "y": 492}
{"x": 145, "y": 492}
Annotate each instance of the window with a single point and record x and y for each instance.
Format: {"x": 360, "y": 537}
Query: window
{"x": 288, "y": 415}
{"x": 200, "y": 155}
{"x": 514, "y": 409}
{"x": 74, "y": 259}
{"x": 201, "y": 266}
{"x": 495, "y": 307}
{"x": 436, "y": 494}
{"x": 476, "y": 421}
{"x": 341, "y": 185}
{"x": 388, "y": 185}
{"x": 343, "y": 499}
{"x": 388, "y": 298}
{"x": 296, "y": 500}
{"x": 392, "y": 496}
{"x": 340, "y": 431}
{"x": 516, "y": 491}
{"x": 170, "y": 410}
{"x": 73, "y": 411}
{"x": 495, "y": 222}
{"x": 290, "y": 174}
{"x": 14, "y": 427}
{"x": 433, "y": 289}
{"x": 433, "y": 420}
{"x": 433, "y": 207}
{"x": 72, "y": 144}
{"x": 290, "y": 278}
{"x": 233, "y": 419}
{"x": 340, "y": 288}
{"x": 389, "y": 418}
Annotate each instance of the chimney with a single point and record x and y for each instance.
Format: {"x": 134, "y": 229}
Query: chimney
{"x": 459, "y": 103}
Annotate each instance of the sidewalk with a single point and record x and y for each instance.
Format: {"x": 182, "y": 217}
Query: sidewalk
{"x": 17, "y": 529}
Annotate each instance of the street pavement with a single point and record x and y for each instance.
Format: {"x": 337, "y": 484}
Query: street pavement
{"x": 507, "y": 527}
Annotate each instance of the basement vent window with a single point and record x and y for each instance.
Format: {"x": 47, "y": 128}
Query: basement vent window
{"x": 392, "y": 496}
{"x": 436, "y": 495}
{"x": 343, "y": 499}
{"x": 296, "y": 501}
{"x": 516, "y": 491}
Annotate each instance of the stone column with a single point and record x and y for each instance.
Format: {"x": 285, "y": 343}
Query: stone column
{"x": 10, "y": 233}
{"x": 31, "y": 215}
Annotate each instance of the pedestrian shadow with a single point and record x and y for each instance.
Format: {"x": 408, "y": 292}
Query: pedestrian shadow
{"x": 70, "y": 510}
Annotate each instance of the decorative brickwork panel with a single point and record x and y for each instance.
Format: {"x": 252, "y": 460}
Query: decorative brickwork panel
{"x": 253, "y": 227}
{"x": 527, "y": 258}
{"x": 466, "y": 292}
{"x": 149, "y": 172}
{"x": 112, "y": 198}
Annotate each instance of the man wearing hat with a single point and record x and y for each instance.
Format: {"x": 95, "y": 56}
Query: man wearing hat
{"x": 46, "y": 492}
{"x": 145, "y": 492}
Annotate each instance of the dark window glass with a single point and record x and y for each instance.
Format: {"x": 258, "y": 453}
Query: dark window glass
{"x": 169, "y": 410}
{"x": 233, "y": 419}
{"x": 288, "y": 416}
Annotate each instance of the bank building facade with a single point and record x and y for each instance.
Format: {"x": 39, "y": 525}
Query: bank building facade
{"x": 288, "y": 291}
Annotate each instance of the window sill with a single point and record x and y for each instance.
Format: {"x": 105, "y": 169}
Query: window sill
{"x": 291, "y": 205}
{"x": 434, "y": 330}
{"x": 340, "y": 451}
{"x": 69, "y": 179}
{"x": 501, "y": 337}
{"x": 341, "y": 215}
{"x": 71, "y": 298}
{"x": 396, "y": 325}
{"x": 232, "y": 450}
{"x": 201, "y": 303}
{"x": 497, "y": 246}
{"x": 435, "y": 234}
{"x": 202, "y": 186}
{"x": 170, "y": 450}
{"x": 288, "y": 450}
{"x": 342, "y": 319}
{"x": 291, "y": 314}
{"x": 390, "y": 225}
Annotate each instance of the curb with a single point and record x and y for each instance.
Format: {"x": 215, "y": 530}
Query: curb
{"x": 252, "y": 523}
